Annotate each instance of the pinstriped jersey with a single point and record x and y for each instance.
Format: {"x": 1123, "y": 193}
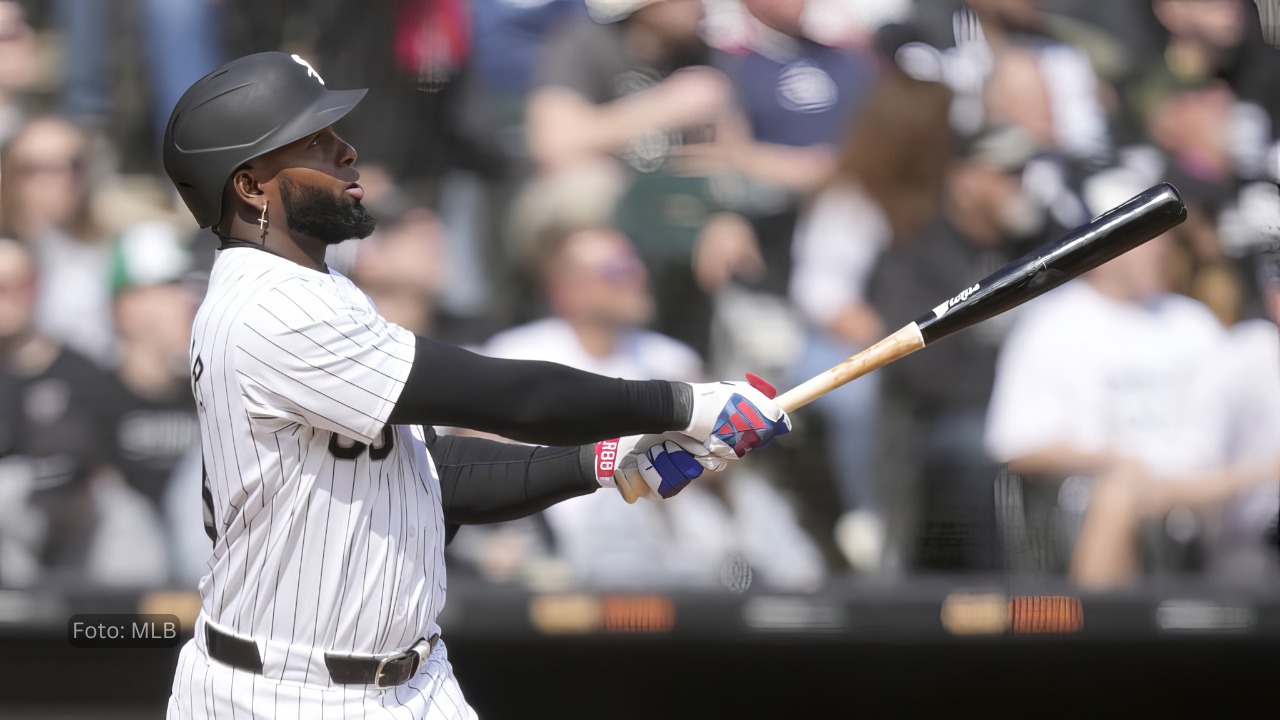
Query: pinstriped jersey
{"x": 326, "y": 522}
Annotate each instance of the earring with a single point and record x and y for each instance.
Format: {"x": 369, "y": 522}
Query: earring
{"x": 262, "y": 221}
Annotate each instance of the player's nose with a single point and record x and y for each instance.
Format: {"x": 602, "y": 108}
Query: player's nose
{"x": 346, "y": 154}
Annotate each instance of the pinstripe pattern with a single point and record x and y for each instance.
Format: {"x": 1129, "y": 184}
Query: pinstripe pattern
{"x": 328, "y": 526}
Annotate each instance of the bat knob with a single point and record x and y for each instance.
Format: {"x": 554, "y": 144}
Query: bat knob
{"x": 762, "y": 385}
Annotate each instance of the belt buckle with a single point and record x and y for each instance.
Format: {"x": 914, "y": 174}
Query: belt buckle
{"x": 381, "y": 671}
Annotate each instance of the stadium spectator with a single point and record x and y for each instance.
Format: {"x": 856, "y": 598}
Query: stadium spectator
{"x": 631, "y": 82}
{"x": 597, "y": 295}
{"x": 1215, "y": 73}
{"x": 49, "y": 179}
{"x": 508, "y": 38}
{"x": 1014, "y": 62}
{"x": 619, "y": 101}
{"x": 149, "y": 411}
{"x": 181, "y": 41}
{"x": 885, "y": 192}
{"x": 59, "y": 438}
{"x": 17, "y": 68}
{"x": 1242, "y": 533}
{"x": 403, "y": 267}
{"x": 1191, "y": 124}
{"x": 796, "y": 98}
{"x": 1221, "y": 40}
{"x": 987, "y": 220}
{"x": 1112, "y": 390}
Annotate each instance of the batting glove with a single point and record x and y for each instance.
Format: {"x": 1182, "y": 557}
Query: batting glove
{"x": 736, "y": 417}
{"x": 653, "y": 466}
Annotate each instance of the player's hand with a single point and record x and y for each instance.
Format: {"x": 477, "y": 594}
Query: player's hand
{"x": 732, "y": 418}
{"x": 653, "y": 466}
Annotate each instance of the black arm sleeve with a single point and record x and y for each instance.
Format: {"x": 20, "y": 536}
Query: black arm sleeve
{"x": 485, "y": 481}
{"x": 531, "y": 401}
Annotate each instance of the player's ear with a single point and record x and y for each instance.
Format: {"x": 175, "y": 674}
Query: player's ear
{"x": 245, "y": 185}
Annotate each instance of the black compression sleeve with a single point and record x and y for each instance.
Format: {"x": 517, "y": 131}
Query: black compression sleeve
{"x": 484, "y": 481}
{"x": 534, "y": 402}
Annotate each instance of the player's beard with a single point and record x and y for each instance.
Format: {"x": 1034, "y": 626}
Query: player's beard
{"x": 328, "y": 218}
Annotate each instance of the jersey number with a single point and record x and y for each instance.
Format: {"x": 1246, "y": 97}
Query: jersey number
{"x": 377, "y": 451}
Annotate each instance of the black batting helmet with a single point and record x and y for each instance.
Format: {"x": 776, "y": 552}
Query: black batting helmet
{"x": 244, "y": 109}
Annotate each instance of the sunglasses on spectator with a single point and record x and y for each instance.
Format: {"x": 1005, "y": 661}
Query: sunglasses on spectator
{"x": 619, "y": 270}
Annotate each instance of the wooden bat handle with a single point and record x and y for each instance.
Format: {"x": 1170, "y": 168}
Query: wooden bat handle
{"x": 900, "y": 344}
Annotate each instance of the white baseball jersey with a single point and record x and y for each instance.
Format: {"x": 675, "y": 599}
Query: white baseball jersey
{"x": 327, "y": 523}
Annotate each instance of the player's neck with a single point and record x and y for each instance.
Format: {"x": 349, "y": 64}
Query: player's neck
{"x": 308, "y": 257}
{"x": 306, "y": 251}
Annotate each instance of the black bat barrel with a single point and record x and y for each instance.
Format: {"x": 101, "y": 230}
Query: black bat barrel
{"x": 1113, "y": 233}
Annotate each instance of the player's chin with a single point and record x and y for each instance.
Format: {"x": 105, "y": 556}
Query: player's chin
{"x": 363, "y": 222}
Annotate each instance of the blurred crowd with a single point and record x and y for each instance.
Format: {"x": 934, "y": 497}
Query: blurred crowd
{"x": 690, "y": 190}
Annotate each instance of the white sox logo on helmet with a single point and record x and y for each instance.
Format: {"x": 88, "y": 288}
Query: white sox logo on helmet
{"x": 310, "y": 70}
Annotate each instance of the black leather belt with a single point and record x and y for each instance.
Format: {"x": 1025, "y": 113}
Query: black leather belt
{"x": 381, "y": 672}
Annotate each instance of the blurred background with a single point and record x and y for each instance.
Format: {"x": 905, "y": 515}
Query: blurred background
{"x": 1081, "y": 493}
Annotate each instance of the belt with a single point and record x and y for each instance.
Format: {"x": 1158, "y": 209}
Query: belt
{"x": 380, "y": 671}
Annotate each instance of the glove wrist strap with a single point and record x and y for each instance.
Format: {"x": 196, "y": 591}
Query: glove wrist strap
{"x": 606, "y": 461}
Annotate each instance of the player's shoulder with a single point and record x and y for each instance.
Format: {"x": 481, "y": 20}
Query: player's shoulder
{"x": 248, "y": 273}
{"x": 315, "y": 294}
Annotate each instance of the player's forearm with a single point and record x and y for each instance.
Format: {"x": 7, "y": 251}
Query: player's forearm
{"x": 533, "y": 402}
{"x": 485, "y": 481}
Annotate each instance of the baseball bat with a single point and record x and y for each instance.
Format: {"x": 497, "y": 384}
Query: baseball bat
{"x": 1124, "y": 227}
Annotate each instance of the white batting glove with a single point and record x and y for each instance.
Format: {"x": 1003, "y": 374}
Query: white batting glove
{"x": 732, "y": 418}
{"x": 652, "y": 466}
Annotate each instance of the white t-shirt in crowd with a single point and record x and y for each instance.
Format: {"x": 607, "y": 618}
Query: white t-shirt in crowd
{"x": 1251, "y": 367}
{"x": 1098, "y": 374}
{"x": 837, "y": 241}
{"x": 640, "y": 355}
{"x": 73, "y": 300}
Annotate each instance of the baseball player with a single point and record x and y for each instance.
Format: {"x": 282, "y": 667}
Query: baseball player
{"x": 327, "y": 494}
